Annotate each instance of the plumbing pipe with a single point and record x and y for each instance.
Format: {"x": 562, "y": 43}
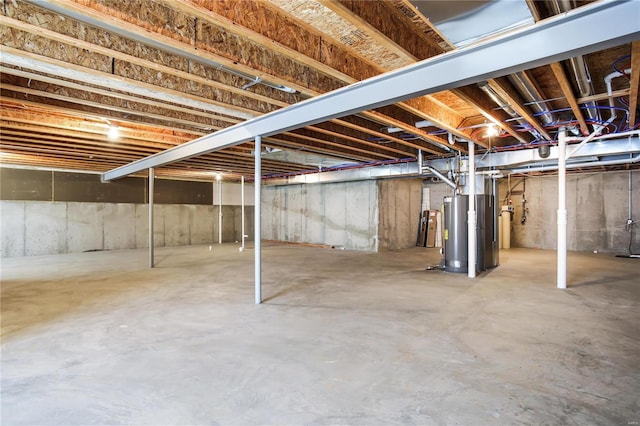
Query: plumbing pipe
{"x": 607, "y": 81}
{"x": 242, "y": 210}
{"x": 471, "y": 214}
{"x": 562, "y": 210}
{"x": 257, "y": 182}
{"x": 151, "y": 244}
{"x": 439, "y": 174}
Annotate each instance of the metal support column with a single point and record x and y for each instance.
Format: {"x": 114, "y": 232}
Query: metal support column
{"x": 151, "y": 244}
{"x": 242, "y": 210}
{"x": 258, "y": 189}
{"x": 562, "y": 209}
{"x": 219, "y": 209}
{"x": 471, "y": 241}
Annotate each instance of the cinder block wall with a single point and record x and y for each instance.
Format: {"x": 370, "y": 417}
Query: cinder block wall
{"x": 597, "y": 211}
{"x": 44, "y": 212}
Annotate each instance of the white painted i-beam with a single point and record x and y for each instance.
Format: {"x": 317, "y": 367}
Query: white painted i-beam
{"x": 258, "y": 246}
{"x": 471, "y": 214}
{"x": 562, "y": 209}
{"x": 151, "y": 244}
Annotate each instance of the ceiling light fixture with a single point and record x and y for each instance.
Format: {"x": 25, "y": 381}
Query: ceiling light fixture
{"x": 218, "y": 176}
{"x": 492, "y": 130}
{"x": 114, "y": 132}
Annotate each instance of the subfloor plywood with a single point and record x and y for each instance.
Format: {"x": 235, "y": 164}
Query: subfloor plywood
{"x": 343, "y": 338}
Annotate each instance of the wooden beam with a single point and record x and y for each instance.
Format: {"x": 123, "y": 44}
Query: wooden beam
{"x": 380, "y": 19}
{"x": 234, "y": 92}
{"x": 91, "y": 47}
{"x": 567, "y": 90}
{"x": 304, "y": 43}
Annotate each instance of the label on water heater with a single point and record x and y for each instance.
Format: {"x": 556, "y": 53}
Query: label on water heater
{"x": 446, "y": 234}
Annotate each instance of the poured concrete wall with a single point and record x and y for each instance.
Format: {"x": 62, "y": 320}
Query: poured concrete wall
{"x": 41, "y": 227}
{"x": 363, "y": 215}
{"x": 338, "y": 214}
{"x": 437, "y": 192}
{"x": 597, "y": 209}
{"x": 400, "y": 204}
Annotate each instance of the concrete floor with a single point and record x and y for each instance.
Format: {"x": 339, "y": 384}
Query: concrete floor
{"x": 343, "y": 338}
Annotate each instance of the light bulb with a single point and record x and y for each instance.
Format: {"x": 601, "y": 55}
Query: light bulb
{"x": 218, "y": 176}
{"x": 113, "y": 133}
{"x": 492, "y": 130}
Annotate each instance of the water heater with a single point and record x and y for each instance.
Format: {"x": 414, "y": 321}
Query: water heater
{"x": 456, "y": 233}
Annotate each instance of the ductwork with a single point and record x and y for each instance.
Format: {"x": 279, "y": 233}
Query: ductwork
{"x": 486, "y": 88}
{"x": 528, "y": 88}
{"x": 599, "y": 163}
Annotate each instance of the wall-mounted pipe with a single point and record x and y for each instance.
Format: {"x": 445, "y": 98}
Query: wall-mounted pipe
{"x": 439, "y": 174}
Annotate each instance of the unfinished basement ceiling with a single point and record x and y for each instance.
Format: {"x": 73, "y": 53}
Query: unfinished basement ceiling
{"x": 164, "y": 72}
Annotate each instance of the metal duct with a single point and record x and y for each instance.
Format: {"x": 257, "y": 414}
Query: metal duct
{"x": 528, "y": 88}
{"x": 613, "y": 162}
{"x": 486, "y": 88}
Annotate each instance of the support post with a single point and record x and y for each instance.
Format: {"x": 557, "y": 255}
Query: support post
{"x": 151, "y": 244}
{"x": 258, "y": 189}
{"x": 471, "y": 241}
{"x": 219, "y": 210}
{"x": 242, "y": 210}
{"x": 562, "y": 209}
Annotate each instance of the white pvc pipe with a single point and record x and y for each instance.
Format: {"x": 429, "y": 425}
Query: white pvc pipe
{"x": 151, "y": 244}
{"x": 562, "y": 210}
{"x": 471, "y": 242}
{"x": 257, "y": 191}
{"x": 607, "y": 82}
{"x": 242, "y": 210}
{"x": 219, "y": 211}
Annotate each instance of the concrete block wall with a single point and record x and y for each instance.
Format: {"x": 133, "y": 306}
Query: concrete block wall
{"x": 340, "y": 214}
{"x": 597, "y": 211}
{"x": 42, "y": 227}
